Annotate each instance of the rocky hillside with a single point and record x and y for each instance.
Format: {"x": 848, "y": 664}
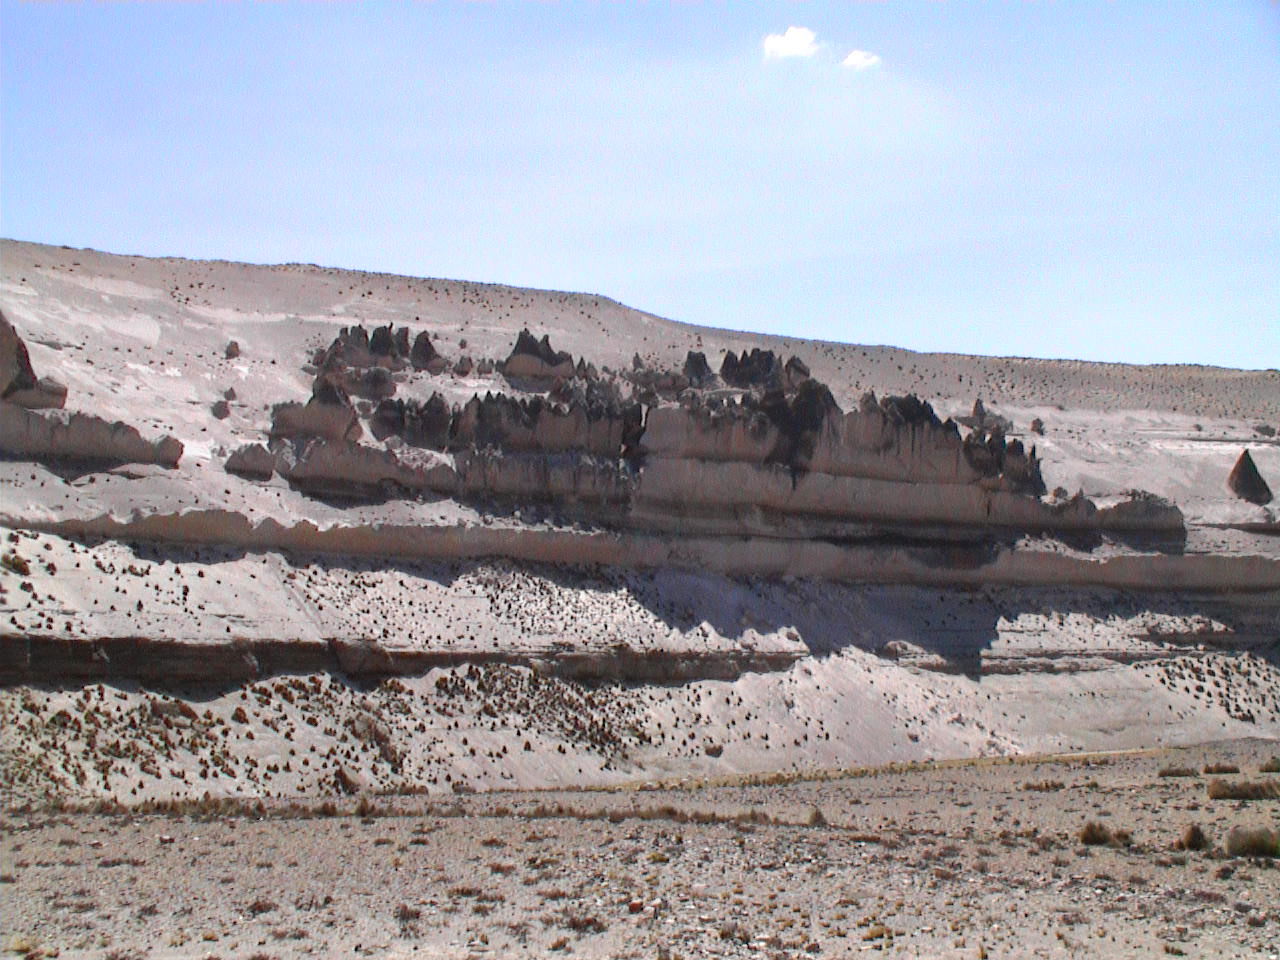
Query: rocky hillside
{"x": 278, "y": 530}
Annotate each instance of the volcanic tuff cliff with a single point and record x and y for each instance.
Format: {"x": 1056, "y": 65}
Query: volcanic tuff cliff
{"x": 349, "y": 454}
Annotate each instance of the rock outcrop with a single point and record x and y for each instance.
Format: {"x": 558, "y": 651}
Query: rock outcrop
{"x": 388, "y": 347}
{"x": 533, "y": 359}
{"x": 423, "y": 355}
{"x": 18, "y": 382}
{"x": 897, "y": 438}
{"x": 696, "y": 369}
{"x": 80, "y": 438}
{"x": 527, "y": 425}
{"x": 774, "y": 456}
{"x": 1246, "y": 482}
{"x": 417, "y": 424}
{"x": 253, "y": 461}
{"x": 760, "y": 369}
{"x": 328, "y": 415}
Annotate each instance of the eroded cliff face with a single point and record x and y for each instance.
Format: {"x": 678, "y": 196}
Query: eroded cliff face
{"x": 764, "y": 449}
{"x": 748, "y": 528}
{"x": 63, "y": 437}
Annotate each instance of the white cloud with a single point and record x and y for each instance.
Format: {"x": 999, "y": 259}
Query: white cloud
{"x": 861, "y": 60}
{"x": 796, "y": 42}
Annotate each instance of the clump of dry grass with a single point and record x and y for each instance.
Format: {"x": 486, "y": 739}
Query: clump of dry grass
{"x": 1253, "y": 842}
{"x": 16, "y": 564}
{"x": 733, "y": 930}
{"x": 1193, "y": 838}
{"x": 1270, "y": 766}
{"x": 1244, "y": 790}
{"x": 1221, "y": 768}
{"x": 1043, "y": 786}
{"x": 582, "y": 922}
{"x": 1178, "y": 772}
{"x": 1095, "y": 834}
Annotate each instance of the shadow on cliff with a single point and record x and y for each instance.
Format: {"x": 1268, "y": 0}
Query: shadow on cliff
{"x": 774, "y": 618}
{"x": 957, "y": 627}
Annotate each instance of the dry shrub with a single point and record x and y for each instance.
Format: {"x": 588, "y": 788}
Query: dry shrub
{"x": 1043, "y": 786}
{"x": 1221, "y": 768}
{"x": 15, "y": 563}
{"x": 817, "y": 818}
{"x": 1193, "y": 838}
{"x": 1178, "y": 772}
{"x": 1244, "y": 790}
{"x": 1271, "y": 766}
{"x": 1253, "y": 842}
{"x": 1094, "y": 834}
{"x": 580, "y": 922}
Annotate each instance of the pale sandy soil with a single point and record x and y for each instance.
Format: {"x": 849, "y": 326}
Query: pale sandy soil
{"x": 961, "y": 860}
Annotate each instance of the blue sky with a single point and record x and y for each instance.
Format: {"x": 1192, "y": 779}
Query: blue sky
{"x": 1089, "y": 180}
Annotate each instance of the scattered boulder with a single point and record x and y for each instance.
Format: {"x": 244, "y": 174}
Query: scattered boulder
{"x": 232, "y": 350}
{"x": 253, "y": 461}
{"x": 1246, "y": 482}
{"x": 221, "y": 409}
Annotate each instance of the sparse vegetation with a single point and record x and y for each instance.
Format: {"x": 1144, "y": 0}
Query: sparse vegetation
{"x": 1193, "y": 838}
{"x": 1095, "y": 834}
{"x": 1043, "y": 786}
{"x": 1211, "y": 768}
{"x": 1245, "y": 841}
{"x": 1178, "y": 772}
{"x": 15, "y": 563}
{"x": 1244, "y": 790}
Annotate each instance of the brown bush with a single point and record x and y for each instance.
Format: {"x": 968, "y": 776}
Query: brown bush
{"x": 1253, "y": 842}
{"x": 1178, "y": 772}
{"x": 1193, "y": 838}
{"x": 1221, "y": 768}
{"x": 1094, "y": 834}
{"x": 1043, "y": 786}
{"x": 1271, "y": 766}
{"x": 1244, "y": 790}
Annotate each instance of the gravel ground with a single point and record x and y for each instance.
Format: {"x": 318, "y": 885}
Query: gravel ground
{"x": 959, "y": 859}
